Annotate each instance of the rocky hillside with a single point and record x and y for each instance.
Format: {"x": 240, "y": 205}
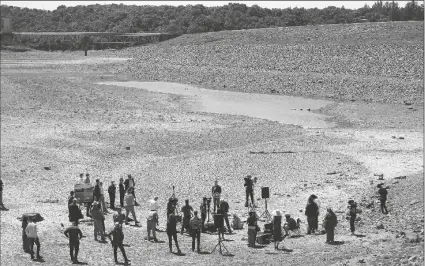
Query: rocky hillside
{"x": 374, "y": 62}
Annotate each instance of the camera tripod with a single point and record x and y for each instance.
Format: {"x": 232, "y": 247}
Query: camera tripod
{"x": 220, "y": 244}
{"x": 266, "y": 214}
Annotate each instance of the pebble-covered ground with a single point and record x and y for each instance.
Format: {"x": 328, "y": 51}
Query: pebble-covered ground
{"x": 53, "y": 115}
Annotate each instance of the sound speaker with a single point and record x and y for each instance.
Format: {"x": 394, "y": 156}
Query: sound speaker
{"x": 265, "y": 193}
{"x": 218, "y": 221}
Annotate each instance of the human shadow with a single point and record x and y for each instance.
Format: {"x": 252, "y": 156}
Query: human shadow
{"x": 359, "y": 235}
{"x": 179, "y": 254}
{"x": 286, "y": 249}
{"x": 204, "y": 253}
{"x": 271, "y": 253}
{"x": 4, "y": 209}
{"x": 227, "y": 240}
{"x": 337, "y": 243}
{"x": 158, "y": 242}
{"x": 135, "y": 225}
{"x": 296, "y": 236}
{"x": 123, "y": 263}
{"x": 41, "y": 260}
{"x": 259, "y": 246}
{"x": 80, "y": 263}
{"x": 126, "y": 245}
{"x": 103, "y": 241}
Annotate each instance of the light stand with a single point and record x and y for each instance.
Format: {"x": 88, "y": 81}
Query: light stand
{"x": 220, "y": 244}
{"x": 266, "y": 213}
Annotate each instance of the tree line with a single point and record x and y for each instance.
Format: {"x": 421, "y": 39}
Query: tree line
{"x": 197, "y": 18}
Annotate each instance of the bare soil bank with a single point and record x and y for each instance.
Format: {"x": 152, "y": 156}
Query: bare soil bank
{"x": 55, "y": 115}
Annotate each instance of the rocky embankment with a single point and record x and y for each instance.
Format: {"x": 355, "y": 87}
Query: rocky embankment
{"x": 373, "y": 62}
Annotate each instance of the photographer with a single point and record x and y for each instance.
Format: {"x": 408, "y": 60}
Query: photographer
{"x": 216, "y": 192}
{"x": 249, "y": 190}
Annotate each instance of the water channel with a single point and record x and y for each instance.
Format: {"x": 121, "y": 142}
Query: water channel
{"x": 283, "y": 109}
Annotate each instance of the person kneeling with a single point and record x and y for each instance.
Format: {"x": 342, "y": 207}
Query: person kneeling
{"x": 290, "y": 224}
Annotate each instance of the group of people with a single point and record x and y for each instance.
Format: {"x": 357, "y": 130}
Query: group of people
{"x": 191, "y": 222}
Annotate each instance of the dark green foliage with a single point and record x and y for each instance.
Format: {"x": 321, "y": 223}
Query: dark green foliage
{"x": 195, "y": 18}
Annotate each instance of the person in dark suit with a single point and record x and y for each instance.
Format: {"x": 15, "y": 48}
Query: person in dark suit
{"x": 312, "y": 213}
{"x": 249, "y": 190}
{"x": 117, "y": 241}
{"x": 111, "y": 191}
{"x": 75, "y": 212}
{"x": 329, "y": 223}
{"x": 122, "y": 192}
{"x": 74, "y": 234}
{"x": 96, "y": 191}
{"x": 215, "y": 193}
{"x": 383, "y": 198}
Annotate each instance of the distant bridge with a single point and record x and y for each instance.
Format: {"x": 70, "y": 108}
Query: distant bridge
{"x": 96, "y": 37}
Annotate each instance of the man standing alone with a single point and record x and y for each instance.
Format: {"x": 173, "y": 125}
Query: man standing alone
{"x": 224, "y": 209}
{"x": 196, "y": 226}
{"x": 187, "y": 214}
{"x": 111, "y": 191}
{"x": 122, "y": 192}
{"x": 129, "y": 203}
{"x": 74, "y": 234}
{"x": 312, "y": 212}
{"x": 249, "y": 190}
{"x": 153, "y": 207}
{"x": 97, "y": 216}
{"x": 329, "y": 223}
{"x": 216, "y": 192}
{"x": 383, "y": 198}
{"x": 32, "y": 235}
{"x": 117, "y": 241}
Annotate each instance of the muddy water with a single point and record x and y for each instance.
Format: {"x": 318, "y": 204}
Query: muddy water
{"x": 283, "y": 109}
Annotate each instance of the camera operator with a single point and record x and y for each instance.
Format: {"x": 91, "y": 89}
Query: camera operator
{"x": 249, "y": 190}
{"x": 216, "y": 192}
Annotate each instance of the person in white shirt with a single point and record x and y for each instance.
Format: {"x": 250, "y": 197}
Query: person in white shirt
{"x": 81, "y": 181}
{"x": 153, "y": 207}
{"x": 31, "y": 232}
